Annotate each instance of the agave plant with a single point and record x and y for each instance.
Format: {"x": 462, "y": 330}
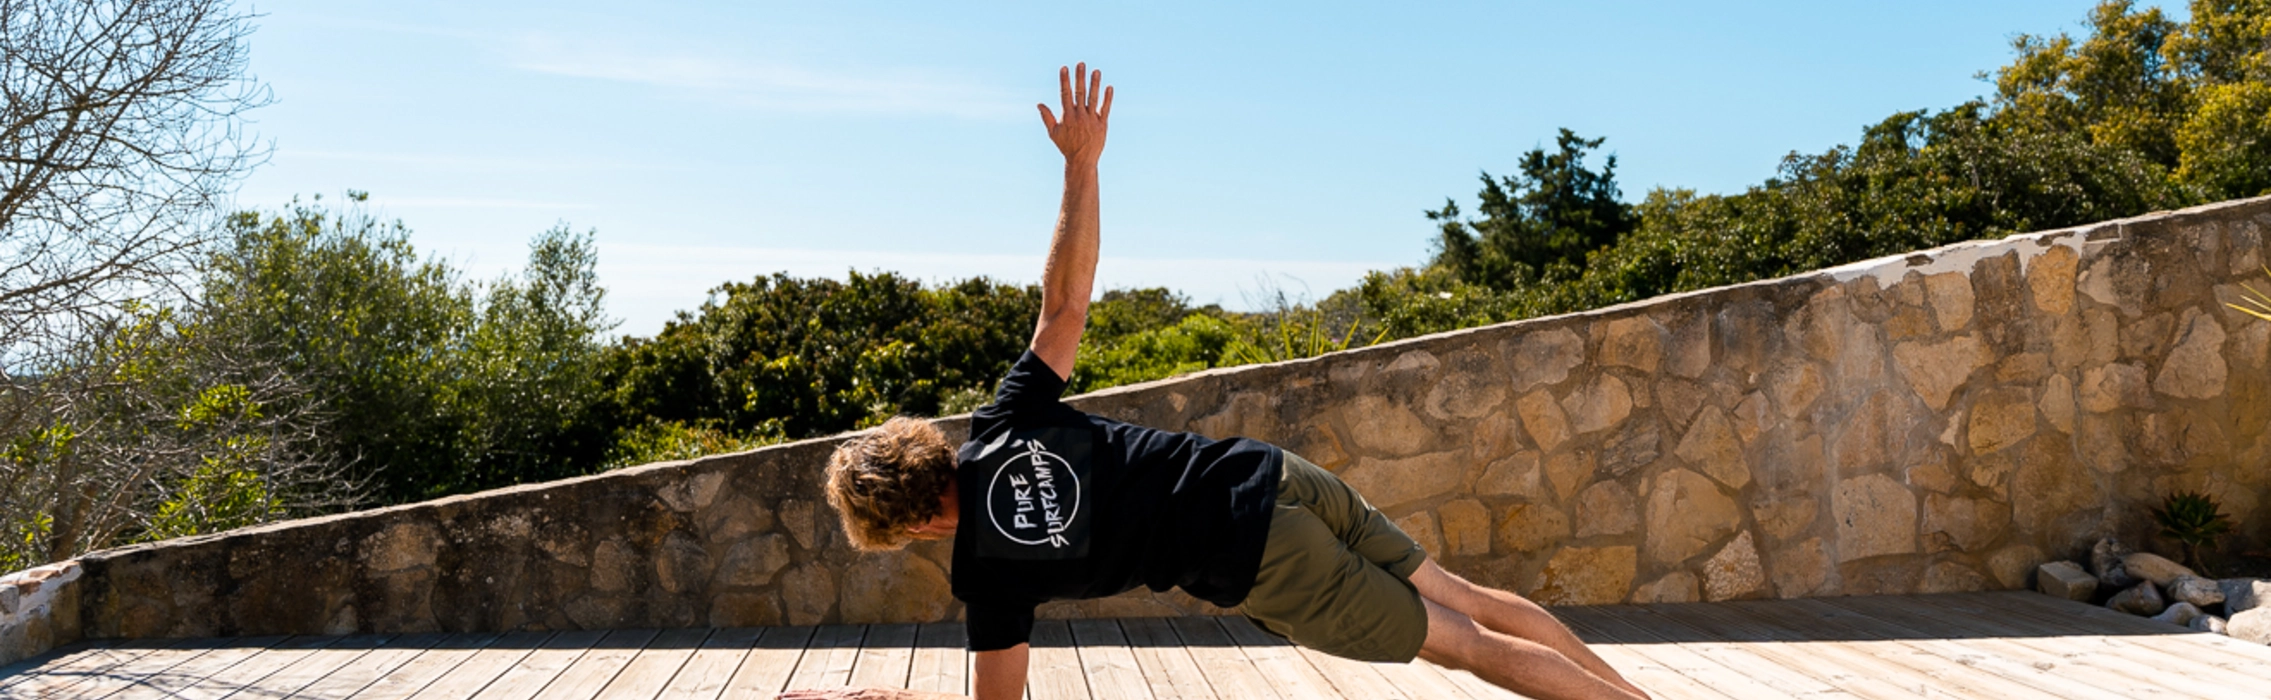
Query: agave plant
{"x": 2192, "y": 519}
{"x": 2254, "y": 302}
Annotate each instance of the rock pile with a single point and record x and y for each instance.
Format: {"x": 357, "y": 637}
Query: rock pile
{"x": 2150, "y": 585}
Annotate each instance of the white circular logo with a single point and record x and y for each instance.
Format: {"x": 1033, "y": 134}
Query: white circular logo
{"x": 1033, "y": 496}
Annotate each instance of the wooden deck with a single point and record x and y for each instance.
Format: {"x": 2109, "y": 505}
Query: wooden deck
{"x": 2004, "y": 646}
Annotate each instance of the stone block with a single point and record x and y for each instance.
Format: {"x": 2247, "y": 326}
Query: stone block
{"x": 2113, "y": 386}
{"x": 2050, "y": 280}
{"x": 2010, "y": 565}
{"x": 1532, "y": 527}
{"x": 1950, "y": 295}
{"x": 1675, "y": 587}
{"x": 1466, "y": 527}
{"x": 1464, "y": 395}
{"x": 1686, "y": 512}
{"x": 2195, "y": 367}
{"x": 1634, "y": 341}
{"x": 1384, "y": 428}
{"x": 1543, "y": 418}
{"x": 2251, "y": 626}
{"x": 1794, "y": 388}
{"x": 1598, "y": 405}
{"x": 1586, "y": 576}
{"x": 1544, "y": 358}
{"x": 2141, "y": 599}
{"x": 2105, "y": 563}
{"x": 403, "y": 545}
{"x": 810, "y": 594}
{"x": 2180, "y": 614}
{"x": 1966, "y": 524}
{"x": 753, "y": 562}
{"x": 1800, "y": 570}
{"x": 1420, "y": 527}
{"x": 2241, "y": 594}
{"x": 1935, "y": 370}
{"x": 10, "y": 597}
{"x": 2065, "y": 579}
{"x": 1875, "y": 516}
{"x": 2198, "y": 591}
{"x": 2000, "y": 419}
{"x": 2057, "y": 404}
{"x": 893, "y": 587}
{"x": 1570, "y": 470}
{"x": 1712, "y": 447}
{"x": 1734, "y": 572}
{"x": 2210, "y": 624}
{"x": 1517, "y": 475}
{"x": 1391, "y": 483}
{"x": 1607, "y": 508}
{"x": 1631, "y": 448}
{"x": 1952, "y": 577}
{"x": 2155, "y": 568}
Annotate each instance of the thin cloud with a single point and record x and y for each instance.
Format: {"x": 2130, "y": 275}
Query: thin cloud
{"x": 760, "y": 85}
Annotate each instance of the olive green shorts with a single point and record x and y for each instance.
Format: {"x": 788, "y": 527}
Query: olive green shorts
{"x": 1335, "y": 573}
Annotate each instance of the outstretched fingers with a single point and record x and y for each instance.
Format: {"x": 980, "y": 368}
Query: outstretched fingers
{"x": 1064, "y": 90}
{"x": 1107, "y": 111}
{"x": 1048, "y": 119}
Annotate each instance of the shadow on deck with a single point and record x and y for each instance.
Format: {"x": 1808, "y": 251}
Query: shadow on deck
{"x": 1980, "y": 645}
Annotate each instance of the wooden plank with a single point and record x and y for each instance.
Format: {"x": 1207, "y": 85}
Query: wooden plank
{"x": 1859, "y": 674}
{"x": 1993, "y": 673}
{"x": 313, "y": 666}
{"x": 1278, "y": 661}
{"x": 254, "y": 668}
{"x": 705, "y": 674}
{"x": 828, "y": 659}
{"x": 541, "y": 665}
{"x": 1422, "y": 681}
{"x": 1160, "y": 655}
{"x": 353, "y": 676}
{"x": 942, "y": 660}
{"x": 1740, "y": 658}
{"x": 1861, "y": 641}
{"x": 221, "y": 654}
{"x": 1107, "y": 662}
{"x": 1645, "y": 648}
{"x": 653, "y": 667}
{"x": 589, "y": 674}
{"x": 483, "y": 667}
{"x": 886, "y": 657}
{"x": 2195, "y": 648}
{"x": 770, "y": 664}
{"x": 2094, "y": 657}
{"x": 1052, "y": 671}
{"x": 1226, "y": 667}
{"x": 429, "y": 665}
{"x": 57, "y": 672}
{"x": 1354, "y": 679}
{"x": 1476, "y": 687}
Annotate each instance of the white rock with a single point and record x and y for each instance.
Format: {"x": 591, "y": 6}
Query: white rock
{"x": 2243, "y": 594}
{"x": 2145, "y": 599}
{"x": 2153, "y": 567}
{"x": 9, "y": 598}
{"x": 2180, "y": 614}
{"x": 2253, "y": 625}
{"x": 2208, "y": 623}
{"x": 2065, "y": 579}
{"x": 2195, "y": 590}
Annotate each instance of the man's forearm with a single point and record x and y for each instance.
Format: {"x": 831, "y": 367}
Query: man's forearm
{"x": 999, "y": 675}
{"x": 1068, "y": 279}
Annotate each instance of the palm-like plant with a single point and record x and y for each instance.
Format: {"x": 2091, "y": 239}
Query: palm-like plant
{"x": 2192, "y": 519}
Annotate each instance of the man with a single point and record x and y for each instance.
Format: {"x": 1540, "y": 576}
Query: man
{"x": 1063, "y": 505}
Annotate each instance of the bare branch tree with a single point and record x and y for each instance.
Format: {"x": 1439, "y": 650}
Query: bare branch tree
{"x": 121, "y": 133}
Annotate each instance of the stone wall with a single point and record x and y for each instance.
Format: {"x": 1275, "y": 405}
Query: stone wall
{"x": 1939, "y": 421}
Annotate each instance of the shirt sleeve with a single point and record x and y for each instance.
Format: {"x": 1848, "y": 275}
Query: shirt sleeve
{"x": 1030, "y": 383}
{"x": 995, "y": 626}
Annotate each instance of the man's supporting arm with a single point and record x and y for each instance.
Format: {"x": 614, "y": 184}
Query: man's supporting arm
{"x": 1000, "y": 674}
{"x": 1069, "y": 277}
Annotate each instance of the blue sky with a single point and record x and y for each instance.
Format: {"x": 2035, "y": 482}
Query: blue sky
{"x": 1287, "y": 144}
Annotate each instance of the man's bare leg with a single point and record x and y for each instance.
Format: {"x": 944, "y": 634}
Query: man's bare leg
{"x": 1512, "y": 615}
{"x": 1510, "y": 662}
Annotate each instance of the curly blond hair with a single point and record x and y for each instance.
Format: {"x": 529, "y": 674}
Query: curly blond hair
{"x": 886, "y": 482}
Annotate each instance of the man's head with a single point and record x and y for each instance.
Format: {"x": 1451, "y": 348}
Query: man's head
{"x": 890, "y": 486}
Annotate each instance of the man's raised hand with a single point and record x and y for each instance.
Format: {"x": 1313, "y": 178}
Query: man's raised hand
{"x": 1080, "y": 134}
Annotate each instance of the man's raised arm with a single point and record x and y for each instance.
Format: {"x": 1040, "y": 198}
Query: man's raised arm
{"x": 1069, "y": 277}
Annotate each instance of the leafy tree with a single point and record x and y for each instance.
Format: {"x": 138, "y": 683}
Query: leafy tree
{"x": 805, "y": 357}
{"x": 434, "y": 385}
{"x": 1539, "y": 225}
